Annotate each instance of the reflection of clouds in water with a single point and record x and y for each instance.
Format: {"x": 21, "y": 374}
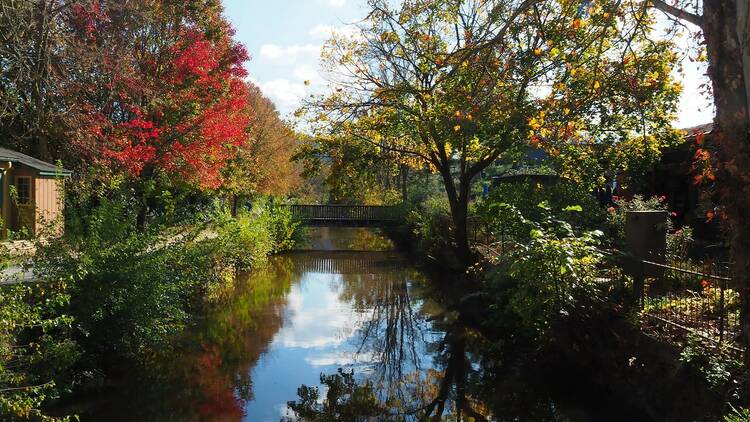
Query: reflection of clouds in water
{"x": 344, "y": 359}
{"x": 315, "y": 317}
{"x": 285, "y": 411}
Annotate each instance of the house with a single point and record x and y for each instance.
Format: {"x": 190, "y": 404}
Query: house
{"x": 673, "y": 178}
{"x": 31, "y": 194}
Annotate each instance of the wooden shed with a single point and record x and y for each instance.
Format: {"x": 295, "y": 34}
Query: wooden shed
{"x": 31, "y": 194}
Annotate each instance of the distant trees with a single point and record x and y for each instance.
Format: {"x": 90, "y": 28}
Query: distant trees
{"x": 456, "y": 84}
{"x": 264, "y": 165}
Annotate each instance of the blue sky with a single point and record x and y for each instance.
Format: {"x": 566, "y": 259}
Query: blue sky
{"x": 284, "y": 39}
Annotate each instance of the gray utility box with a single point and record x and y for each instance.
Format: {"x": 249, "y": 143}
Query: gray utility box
{"x": 646, "y": 239}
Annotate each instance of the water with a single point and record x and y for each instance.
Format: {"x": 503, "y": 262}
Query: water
{"x": 348, "y": 301}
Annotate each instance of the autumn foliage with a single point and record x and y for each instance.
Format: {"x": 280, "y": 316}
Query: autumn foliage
{"x": 178, "y": 107}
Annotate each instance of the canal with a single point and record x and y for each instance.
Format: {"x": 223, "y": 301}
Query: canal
{"x": 346, "y": 300}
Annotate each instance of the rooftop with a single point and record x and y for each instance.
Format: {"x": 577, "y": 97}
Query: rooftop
{"x": 35, "y": 163}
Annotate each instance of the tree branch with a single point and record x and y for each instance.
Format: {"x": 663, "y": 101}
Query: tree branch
{"x": 678, "y": 13}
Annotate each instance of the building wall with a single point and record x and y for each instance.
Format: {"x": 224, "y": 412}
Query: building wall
{"x": 49, "y": 206}
{"x": 22, "y": 215}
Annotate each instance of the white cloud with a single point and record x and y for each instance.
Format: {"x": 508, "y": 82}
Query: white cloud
{"x": 325, "y": 32}
{"x": 290, "y": 53}
{"x": 307, "y": 73}
{"x": 283, "y": 92}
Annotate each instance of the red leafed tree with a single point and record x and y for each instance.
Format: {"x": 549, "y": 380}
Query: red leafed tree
{"x": 170, "y": 97}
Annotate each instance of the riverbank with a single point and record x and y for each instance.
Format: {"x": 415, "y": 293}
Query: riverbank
{"x": 599, "y": 348}
{"x": 114, "y": 299}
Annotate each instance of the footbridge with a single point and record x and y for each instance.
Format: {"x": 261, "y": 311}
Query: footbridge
{"x": 344, "y": 215}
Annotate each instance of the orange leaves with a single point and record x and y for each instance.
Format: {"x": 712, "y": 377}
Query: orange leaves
{"x": 702, "y": 155}
{"x": 710, "y": 216}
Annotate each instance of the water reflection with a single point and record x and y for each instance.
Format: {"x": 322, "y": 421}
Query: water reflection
{"x": 313, "y": 312}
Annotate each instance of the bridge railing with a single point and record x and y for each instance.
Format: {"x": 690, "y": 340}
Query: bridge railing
{"x": 361, "y": 213}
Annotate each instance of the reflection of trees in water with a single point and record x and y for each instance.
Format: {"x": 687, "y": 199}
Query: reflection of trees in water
{"x": 393, "y": 330}
{"x": 368, "y": 239}
{"x": 208, "y": 378}
{"x": 469, "y": 378}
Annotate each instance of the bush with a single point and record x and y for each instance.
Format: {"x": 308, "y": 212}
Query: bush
{"x": 549, "y": 273}
{"x": 431, "y": 223}
{"x": 678, "y": 241}
{"x": 525, "y": 196}
{"x": 246, "y": 240}
{"x": 131, "y": 290}
{"x": 36, "y": 348}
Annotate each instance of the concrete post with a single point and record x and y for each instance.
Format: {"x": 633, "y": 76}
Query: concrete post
{"x": 645, "y": 240}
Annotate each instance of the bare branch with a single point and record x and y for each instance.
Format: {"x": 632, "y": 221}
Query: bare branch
{"x": 678, "y": 13}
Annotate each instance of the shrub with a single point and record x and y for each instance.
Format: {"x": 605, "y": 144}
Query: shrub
{"x": 36, "y": 348}
{"x": 131, "y": 290}
{"x": 679, "y": 240}
{"x": 550, "y": 272}
{"x": 525, "y": 196}
{"x": 431, "y": 224}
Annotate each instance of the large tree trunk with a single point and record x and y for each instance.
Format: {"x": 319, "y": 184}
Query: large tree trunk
{"x": 459, "y": 203}
{"x": 726, "y": 34}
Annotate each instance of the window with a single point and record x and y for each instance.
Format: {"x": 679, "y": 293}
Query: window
{"x": 23, "y": 188}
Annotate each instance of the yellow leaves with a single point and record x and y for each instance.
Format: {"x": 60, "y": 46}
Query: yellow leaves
{"x": 537, "y": 51}
{"x": 457, "y": 114}
{"x": 535, "y": 123}
{"x": 577, "y": 23}
{"x": 566, "y": 111}
{"x": 554, "y": 52}
{"x": 473, "y": 146}
{"x": 573, "y": 71}
{"x": 307, "y": 82}
{"x": 597, "y": 85}
{"x": 457, "y": 128}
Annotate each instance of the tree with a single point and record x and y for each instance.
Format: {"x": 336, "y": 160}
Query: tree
{"x": 170, "y": 96}
{"x": 354, "y": 172}
{"x": 726, "y": 169}
{"x": 33, "y": 68}
{"x": 264, "y": 164}
{"x": 458, "y": 84}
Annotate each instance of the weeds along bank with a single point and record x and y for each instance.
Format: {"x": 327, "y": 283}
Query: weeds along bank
{"x": 546, "y": 278}
{"x": 115, "y": 295}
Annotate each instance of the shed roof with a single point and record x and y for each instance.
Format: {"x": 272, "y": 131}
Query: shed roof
{"x": 705, "y": 129}
{"x": 43, "y": 167}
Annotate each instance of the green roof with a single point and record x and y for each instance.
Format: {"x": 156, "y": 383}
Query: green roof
{"x": 44, "y": 168}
